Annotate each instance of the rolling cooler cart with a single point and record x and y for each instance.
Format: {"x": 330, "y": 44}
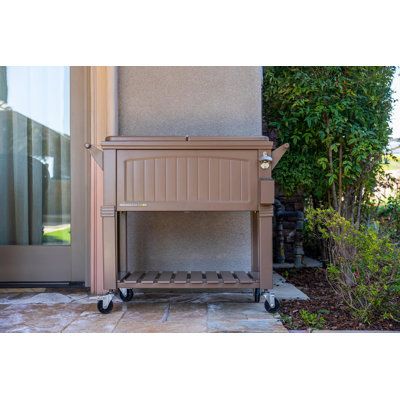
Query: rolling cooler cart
{"x": 144, "y": 174}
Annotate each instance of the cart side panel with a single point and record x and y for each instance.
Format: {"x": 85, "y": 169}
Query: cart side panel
{"x": 176, "y": 180}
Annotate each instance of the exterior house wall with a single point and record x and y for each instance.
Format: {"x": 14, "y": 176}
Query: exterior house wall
{"x": 194, "y": 101}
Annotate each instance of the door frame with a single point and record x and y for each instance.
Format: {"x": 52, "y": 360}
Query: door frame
{"x": 80, "y": 178}
{"x": 18, "y": 269}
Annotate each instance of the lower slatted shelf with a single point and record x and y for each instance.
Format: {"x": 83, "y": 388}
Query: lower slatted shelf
{"x": 187, "y": 279}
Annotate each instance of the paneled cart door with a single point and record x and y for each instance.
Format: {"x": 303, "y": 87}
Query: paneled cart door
{"x": 43, "y": 199}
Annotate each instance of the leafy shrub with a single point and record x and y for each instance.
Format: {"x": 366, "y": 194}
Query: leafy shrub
{"x": 389, "y": 217}
{"x": 312, "y": 320}
{"x": 364, "y": 267}
{"x": 336, "y": 120}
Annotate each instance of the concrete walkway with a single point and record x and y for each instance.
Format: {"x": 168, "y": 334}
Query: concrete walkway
{"x": 62, "y": 310}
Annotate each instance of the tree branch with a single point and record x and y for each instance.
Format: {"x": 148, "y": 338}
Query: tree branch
{"x": 334, "y": 197}
{"x": 340, "y": 178}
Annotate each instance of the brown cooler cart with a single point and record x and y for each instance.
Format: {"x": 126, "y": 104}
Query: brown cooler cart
{"x": 144, "y": 174}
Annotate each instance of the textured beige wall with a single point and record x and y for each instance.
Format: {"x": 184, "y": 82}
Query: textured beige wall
{"x": 196, "y": 101}
{"x": 206, "y": 101}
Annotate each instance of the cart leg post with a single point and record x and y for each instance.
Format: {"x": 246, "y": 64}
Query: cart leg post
{"x": 254, "y": 242}
{"x": 264, "y": 233}
{"x": 122, "y": 240}
{"x": 110, "y": 250}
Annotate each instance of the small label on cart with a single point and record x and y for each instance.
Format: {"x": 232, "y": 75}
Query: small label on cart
{"x": 133, "y": 204}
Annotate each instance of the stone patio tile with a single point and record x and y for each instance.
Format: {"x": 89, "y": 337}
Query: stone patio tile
{"x": 186, "y": 318}
{"x": 142, "y": 317}
{"x": 245, "y": 326}
{"x": 22, "y": 290}
{"x": 192, "y": 296}
{"x": 36, "y": 298}
{"x": 6, "y": 298}
{"x": 237, "y": 310}
{"x": 164, "y": 311}
{"x": 38, "y": 318}
{"x": 241, "y": 317}
{"x": 92, "y": 321}
{"x": 78, "y": 296}
{"x": 284, "y": 290}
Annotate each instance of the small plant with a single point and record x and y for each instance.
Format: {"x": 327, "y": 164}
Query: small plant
{"x": 312, "y": 320}
{"x": 287, "y": 320}
{"x": 285, "y": 274}
{"x": 363, "y": 267}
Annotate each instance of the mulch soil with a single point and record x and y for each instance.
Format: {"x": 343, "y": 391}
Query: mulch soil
{"x": 324, "y": 302}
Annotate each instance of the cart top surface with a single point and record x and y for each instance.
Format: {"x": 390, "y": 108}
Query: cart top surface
{"x": 187, "y": 142}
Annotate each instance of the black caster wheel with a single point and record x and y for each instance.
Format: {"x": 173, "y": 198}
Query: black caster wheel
{"x": 272, "y": 309}
{"x": 128, "y": 297}
{"x": 257, "y": 295}
{"x": 104, "y": 310}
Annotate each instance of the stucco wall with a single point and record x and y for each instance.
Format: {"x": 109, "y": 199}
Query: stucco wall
{"x": 196, "y": 101}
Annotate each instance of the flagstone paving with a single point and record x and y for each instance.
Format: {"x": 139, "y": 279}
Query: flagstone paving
{"x": 189, "y": 312}
{"x": 75, "y": 310}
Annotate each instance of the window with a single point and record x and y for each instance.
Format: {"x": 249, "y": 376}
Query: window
{"x": 35, "y": 170}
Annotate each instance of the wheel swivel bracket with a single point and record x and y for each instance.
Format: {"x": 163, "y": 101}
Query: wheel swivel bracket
{"x": 106, "y": 299}
{"x": 270, "y": 298}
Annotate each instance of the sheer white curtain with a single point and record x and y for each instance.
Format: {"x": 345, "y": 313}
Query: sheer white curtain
{"x": 34, "y": 153}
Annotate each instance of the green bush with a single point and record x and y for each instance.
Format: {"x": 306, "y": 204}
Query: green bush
{"x": 389, "y": 217}
{"x": 336, "y": 120}
{"x": 363, "y": 268}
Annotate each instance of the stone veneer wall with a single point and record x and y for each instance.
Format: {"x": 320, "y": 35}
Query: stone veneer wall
{"x": 292, "y": 203}
{"x": 202, "y": 101}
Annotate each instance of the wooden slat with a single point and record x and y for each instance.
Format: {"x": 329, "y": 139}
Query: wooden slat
{"x": 171, "y": 181}
{"x": 122, "y": 275}
{"x": 149, "y": 277}
{"x": 255, "y": 275}
{"x": 173, "y": 285}
{"x": 160, "y": 187}
{"x": 181, "y": 186}
{"x": 149, "y": 180}
{"x": 245, "y": 180}
{"x": 133, "y": 277}
{"x": 193, "y": 179}
{"x": 212, "y": 277}
{"x": 243, "y": 277}
{"x": 236, "y": 180}
{"x": 227, "y": 277}
{"x": 214, "y": 179}
{"x": 138, "y": 180}
{"x": 181, "y": 277}
{"x": 165, "y": 277}
{"x": 204, "y": 179}
{"x": 224, "y": 183}
{"x": 196, "y": 277}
